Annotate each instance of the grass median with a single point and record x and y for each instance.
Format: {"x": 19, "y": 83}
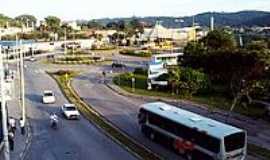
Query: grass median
{"x": 210, "y": 101}
{"x": 63, "y": 78}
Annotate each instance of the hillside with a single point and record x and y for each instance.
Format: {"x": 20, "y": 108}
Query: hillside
{"x": 242, "y": 18}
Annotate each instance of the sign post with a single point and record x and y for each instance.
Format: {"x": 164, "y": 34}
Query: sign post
{"x": 133, "y": 84}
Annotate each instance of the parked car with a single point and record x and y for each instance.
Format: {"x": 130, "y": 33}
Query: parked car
{"x": 70, "y": 111}
{"x": 48, "y": 97}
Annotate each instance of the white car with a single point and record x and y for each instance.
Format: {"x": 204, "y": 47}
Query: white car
{"x": 48, "y": 97}
{"x": 32, "y": 59}
{"x": 70, "y": 111}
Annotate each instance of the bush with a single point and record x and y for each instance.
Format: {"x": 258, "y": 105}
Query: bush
{"x": 140, "y": 82}
{"x": 193, "y": 82}
{"x": 140, "y": 71}
{"x": 126, "y": 80}
{"x": 63, "y": 72}
{"x": 136, "y": 53}
{"x": 103, "y": 47}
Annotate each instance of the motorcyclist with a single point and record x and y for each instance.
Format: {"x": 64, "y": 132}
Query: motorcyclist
{"x": 53, "y": 120}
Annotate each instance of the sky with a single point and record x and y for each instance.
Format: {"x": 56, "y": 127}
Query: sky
{"x": 92, "y": 9}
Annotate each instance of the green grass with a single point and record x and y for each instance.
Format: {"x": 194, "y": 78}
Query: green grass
{"x": 259, "y": 151}
{"x": 97, "y": 119}
{"x": 211, "y": 101}
{"x": 137, "y": 54}
{"x": 76, "y": 59}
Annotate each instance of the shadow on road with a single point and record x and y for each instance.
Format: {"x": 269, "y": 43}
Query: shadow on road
{"x": 34, "y": 97}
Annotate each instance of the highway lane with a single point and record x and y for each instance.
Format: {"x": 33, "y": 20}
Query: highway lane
{"x": 74, "y": 140}
{"x": 120, "y": 110}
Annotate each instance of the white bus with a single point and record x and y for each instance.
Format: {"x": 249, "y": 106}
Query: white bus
{"x": 194, "y": 136}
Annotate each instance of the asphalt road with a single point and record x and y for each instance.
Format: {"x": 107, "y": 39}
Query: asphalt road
{"x": 120, "y": 110}
{"x": 73, "y": 140}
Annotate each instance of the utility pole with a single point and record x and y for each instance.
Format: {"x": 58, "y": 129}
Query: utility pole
{"x": 18, "y": 68}
{"x": 22, "y": 84}
{"x": 3, "y": 109}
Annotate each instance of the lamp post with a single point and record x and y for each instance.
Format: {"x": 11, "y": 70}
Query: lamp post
{"x": 22, "y": 85}
{"x": 6, "y": 155}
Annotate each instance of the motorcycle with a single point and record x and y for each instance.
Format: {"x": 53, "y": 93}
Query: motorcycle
{"x": 54, "y": 121}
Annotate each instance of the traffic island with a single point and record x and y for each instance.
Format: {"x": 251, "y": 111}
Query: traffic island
{"x": 63, "y": 79}
{"x": 77, "y": 59}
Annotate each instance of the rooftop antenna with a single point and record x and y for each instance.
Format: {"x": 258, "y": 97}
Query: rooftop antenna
{"x": 193, "y": 21}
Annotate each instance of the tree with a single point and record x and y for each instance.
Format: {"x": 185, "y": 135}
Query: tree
{"x": 135, "y": 26}
{"x": 94, "y": 24}
{"x": 219, "y": 40}
{"x": 4, "y": 20}
{"x": 27, "y": 19}
{"x": 248, "y": 74}
{"x": 121, "y": 25}
{"x": 187, "y": 81}
{"x": 112, "y": 25}
{"x": 239, "y": 70}
{"x": 257, "y": 45}
{"x": 117, "y": 25}
{"x": 174, "y": 79}
{"x": 53, "y": 23}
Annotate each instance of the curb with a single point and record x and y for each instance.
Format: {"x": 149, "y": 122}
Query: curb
{"x": 90, "y": 109}
{"x": 122, "y": 92}
{"x": 28, "y": 140}
{"x": 202, "y": 106}
{"x": 106, "y": 133}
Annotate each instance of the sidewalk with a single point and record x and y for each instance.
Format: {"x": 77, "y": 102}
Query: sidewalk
{"x": 21, "y": 142}
{"x": 258, "y": 130}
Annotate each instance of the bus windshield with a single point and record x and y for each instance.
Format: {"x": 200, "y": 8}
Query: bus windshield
{"x": 234, "y": 141}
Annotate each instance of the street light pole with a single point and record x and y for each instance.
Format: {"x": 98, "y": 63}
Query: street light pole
{"x": 3, "y": 109}
{"x": 18, "y": 68}
{"x": 22, "y": 84}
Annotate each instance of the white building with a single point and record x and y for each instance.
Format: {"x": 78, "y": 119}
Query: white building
{"x": 74, "y": 25}
{"x": 105, "y": 33}
{"x": 15, "y": 30}
{"x": 158, "y": 66}
{"x": 176, "y": 34}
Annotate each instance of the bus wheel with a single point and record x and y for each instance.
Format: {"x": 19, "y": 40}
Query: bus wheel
{"x": 152, "y": 136}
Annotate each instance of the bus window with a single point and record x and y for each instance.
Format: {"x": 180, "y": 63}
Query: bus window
{"x": 208, "y": 142}
{"x": 234, "y": 141}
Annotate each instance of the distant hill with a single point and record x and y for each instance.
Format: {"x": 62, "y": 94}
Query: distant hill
{"x": 242, "y": 18}
{"x": 261, "y": 21}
